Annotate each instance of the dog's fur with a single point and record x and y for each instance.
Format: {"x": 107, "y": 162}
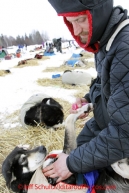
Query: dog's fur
{"x": 48, "y": 112}
{"x": 21, "y": 163}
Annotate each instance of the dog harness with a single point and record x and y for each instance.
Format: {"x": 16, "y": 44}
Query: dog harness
{"x": 51, "y": 156}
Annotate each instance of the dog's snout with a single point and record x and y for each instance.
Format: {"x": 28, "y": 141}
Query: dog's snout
{"x": 42, "y": 149}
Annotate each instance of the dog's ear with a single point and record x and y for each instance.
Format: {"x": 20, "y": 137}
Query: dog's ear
{"x": 54, "y": 102}
{"x": 51, "y": 101}
{"x": 17, "y": 186}
{"x": 8, "y": 163}
{"x": 45, "y": 100}
{"x": 21, "y": 185}
{"x": 67, "y": 71}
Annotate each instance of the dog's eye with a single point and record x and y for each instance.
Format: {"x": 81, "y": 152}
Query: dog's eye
{"x": 22, "y": 160}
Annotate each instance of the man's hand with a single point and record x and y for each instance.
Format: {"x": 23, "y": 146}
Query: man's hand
{"x": 79, "y": 102}
{"x": 58, "y": 169}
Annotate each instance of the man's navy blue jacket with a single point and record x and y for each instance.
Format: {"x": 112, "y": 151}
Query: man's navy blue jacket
{"x": 104, "y": 138}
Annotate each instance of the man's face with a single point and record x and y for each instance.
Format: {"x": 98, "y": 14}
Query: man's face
{"x": 80, "y": 27}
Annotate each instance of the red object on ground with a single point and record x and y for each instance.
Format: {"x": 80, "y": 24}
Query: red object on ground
{"x": 38, "y": 56}
{"x": 18, "y": 55}
{"x": 8, "y": 57}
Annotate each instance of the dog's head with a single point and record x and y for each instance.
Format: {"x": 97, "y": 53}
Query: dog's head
{"x": 20, "y": 164}
{"x": 51, "y": 112}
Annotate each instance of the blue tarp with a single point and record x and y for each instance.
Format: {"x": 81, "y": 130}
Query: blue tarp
{"x": 71, "y": 62}
{"x": 48, "y": 54}
{"x": 20, "y": 46}
{"x": 76, "y": 55}
{"x": 55, "y": 75}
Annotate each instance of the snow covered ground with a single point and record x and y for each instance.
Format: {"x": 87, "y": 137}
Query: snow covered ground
{"x": 20, "y": 84}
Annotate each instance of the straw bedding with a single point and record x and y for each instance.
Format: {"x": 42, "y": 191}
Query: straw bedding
{"x": 3, "y": 73}
{"x": 80, "y": 90}
{"x": 30, "y": 62}
{"x": 66, "y": 67}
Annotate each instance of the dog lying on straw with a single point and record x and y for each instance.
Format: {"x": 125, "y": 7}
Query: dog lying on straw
{"x": 41, "y": 109}
{"x": 20, "y": 165}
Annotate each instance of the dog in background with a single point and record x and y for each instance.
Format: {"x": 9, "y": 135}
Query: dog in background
{"x": 41, "y": 109}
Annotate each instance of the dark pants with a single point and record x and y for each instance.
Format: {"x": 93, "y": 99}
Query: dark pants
{"x": 59, "y": 49}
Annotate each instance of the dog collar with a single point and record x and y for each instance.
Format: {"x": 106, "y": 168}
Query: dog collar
{"x": 51, "y": 156}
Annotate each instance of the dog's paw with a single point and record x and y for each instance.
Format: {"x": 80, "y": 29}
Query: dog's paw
{"x": 25, "y": 146}
{"x": 59, "y": 125}
{"x": 52, "y": 181}
{"x": 85, "y": 108}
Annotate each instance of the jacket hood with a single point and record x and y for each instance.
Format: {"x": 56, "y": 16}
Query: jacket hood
{"x": 98, "y": 13}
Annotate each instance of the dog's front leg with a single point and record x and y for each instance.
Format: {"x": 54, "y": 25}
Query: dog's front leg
{"x": 70, "y": 135}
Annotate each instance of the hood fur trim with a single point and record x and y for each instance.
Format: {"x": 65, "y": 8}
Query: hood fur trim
{"x": 86, "y": 46}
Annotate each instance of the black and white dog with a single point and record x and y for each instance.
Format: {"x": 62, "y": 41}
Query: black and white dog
{"x": 41, "y": 109}
{"x": 20, "y": 165}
